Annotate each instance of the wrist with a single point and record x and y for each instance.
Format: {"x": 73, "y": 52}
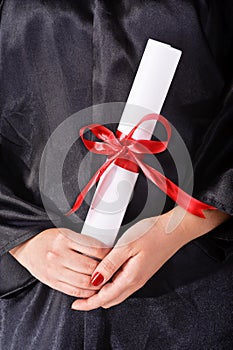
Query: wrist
{"x": 20, "y": 253}
{"x": 185, "y": 227}
{"x": 15, "y": 250}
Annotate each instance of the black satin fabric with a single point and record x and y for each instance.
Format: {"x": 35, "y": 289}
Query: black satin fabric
{"x": 58, "y": 57}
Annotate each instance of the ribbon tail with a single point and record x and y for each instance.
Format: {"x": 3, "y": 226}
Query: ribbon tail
{"x": 187, "y": 202}
{"x": 95, "y": 178}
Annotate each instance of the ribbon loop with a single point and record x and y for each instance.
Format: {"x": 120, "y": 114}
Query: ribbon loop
{"x": 127, "y": 152}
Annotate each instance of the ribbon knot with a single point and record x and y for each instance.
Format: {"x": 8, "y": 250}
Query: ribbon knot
{"x": 127, "y": 152}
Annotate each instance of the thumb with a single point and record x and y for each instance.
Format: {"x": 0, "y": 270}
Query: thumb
{"x": 109, "y": 265}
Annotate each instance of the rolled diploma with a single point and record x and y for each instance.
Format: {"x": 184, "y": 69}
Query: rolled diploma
{"x": 149, "y": 90}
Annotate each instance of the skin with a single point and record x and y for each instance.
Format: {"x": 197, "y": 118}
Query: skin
{"x": 62, "y": 259}
{"x": 56, "y": 257}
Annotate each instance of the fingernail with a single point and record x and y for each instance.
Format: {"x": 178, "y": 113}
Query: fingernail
{"x": 97, "y": 279}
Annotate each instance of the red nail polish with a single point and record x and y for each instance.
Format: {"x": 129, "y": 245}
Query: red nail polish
{"x": 97, "y": 279}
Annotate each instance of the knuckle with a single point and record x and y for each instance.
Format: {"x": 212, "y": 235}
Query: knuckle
{"x": 100, "y": 252}
{"x": 133, "y": 280}
{"x": 75, "y": 293}
{"x": 80, "y": 293}
{"x": 108, "y": 265}
{"x": 50, "y": 255}
{"x": 60, "y": 238}
{"x": 58, "y": 242}
{"x": 101, "y": 302}
{"x": 92, "y": 266}
{"x": 128, "y": 250}
{"x": 84, "y": 281}
{"x": 96, "y": 252}
{"x": 89, "y": 294}
{"x": 136, "y": 280}
{"x": 103, "y": 251}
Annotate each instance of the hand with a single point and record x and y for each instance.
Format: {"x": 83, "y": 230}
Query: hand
{"x": 132, "y": 263}
{"x": 55, "y": 257}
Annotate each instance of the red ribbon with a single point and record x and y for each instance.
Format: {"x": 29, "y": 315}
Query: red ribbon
{"x": 127, "y": 153}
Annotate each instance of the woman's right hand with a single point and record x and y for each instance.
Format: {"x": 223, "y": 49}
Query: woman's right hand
{"x": 62, "y": 259}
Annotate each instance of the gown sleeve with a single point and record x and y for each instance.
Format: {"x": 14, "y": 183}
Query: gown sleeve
{"x": 214, "y": 180}
{"x": 213, "y": 164}
{"x": 21, "y": 218}
{"x": 22, "y": 214}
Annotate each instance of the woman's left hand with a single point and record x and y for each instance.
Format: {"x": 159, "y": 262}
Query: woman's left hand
{"x": 140, "y": 252}
{"x": 131, "y": 263}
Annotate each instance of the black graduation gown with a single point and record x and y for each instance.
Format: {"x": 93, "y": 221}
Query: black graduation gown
{"x": 58, "y": 57}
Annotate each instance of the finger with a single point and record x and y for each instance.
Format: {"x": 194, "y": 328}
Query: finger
{"x": 76, "y": 279}
{"x": 100, "y": 299}
{"x": 72, "y": 290}
{"x": 123, "y": 295}
{"x": 91, "y": 303}
{"x": 78, "y": 262}
{"x": 124, "y": 283}
{"x": 110, "y": 264}
{"x": 109, "y": 301}
{"x": 85, "y": 244}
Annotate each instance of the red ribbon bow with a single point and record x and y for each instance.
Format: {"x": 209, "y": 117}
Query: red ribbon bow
{"x": 127, "y": 153}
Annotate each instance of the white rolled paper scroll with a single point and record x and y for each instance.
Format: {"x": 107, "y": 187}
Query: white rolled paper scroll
{"x": 149, "y": 90}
